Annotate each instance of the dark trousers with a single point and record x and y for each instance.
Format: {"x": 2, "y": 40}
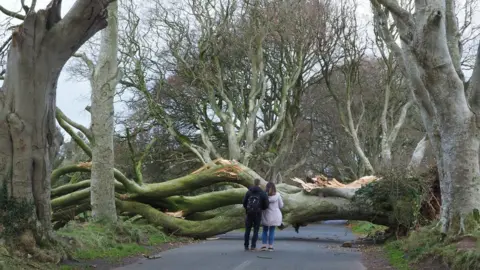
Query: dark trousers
{"x": 252, "y": 221}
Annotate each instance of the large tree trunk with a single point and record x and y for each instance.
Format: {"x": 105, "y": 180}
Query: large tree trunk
{"x": 460, "y": 144}
{"x": 430, "y": 57}
{"x": 104, "y": 80}
{"x": 40, "y": 47}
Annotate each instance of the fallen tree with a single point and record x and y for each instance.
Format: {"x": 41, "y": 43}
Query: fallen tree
{"x": 394, "y": 200}
{"x": 208, "y": 214}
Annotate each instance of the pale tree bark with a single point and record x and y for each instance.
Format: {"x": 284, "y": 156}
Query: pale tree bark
{"x": 105, "y": 77}
{"x": 40, "y": 47}
{"x": 352, "y": 129}
{"x": 431, "y": 57}
{"x": 418, "y": 154}
{"x": 389, "y": 135}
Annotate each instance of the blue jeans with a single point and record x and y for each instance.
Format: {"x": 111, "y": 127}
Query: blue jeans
{"x": 270, "y": 231}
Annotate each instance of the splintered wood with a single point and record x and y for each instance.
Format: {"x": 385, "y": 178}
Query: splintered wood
{"x": 178, "y": 214}
{"x": 86, "y": 165}
{"x": 228, "y": 172}
{"x": 216, "y": 162}
{"x": 321, "y": 181}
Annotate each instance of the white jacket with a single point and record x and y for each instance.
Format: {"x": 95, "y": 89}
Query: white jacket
{"x": 272, "y": 216}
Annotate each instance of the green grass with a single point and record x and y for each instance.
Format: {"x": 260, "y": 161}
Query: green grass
{"x": 427, "y": 243}
{"x": 89, "y": 241}
{"x": 113, "y": 241}
{"x": 423, "y": 244}
{"x": 392, "y": 250}
{"x": 396, "y": 256}
{"x": 365, "y": 228}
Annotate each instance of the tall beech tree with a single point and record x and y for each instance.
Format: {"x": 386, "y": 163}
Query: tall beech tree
{"x": 40, "y": 46}
{"x": 430, "y": 55}
{"x": 104, "y": 76}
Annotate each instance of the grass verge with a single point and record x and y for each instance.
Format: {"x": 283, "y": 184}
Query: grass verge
{"x": 396, "y": 256}
{"x": 113, "y": 242}
{"x": 99, "y": 245}
{"x": 9, "y": 261}
{"x": 425, "y": 247}
{"x": 365, "y": 228}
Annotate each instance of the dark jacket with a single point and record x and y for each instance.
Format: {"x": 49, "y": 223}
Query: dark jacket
{"x": 254, "y": 190}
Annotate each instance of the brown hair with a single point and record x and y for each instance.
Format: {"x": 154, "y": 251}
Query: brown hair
{"x": 271, "y": 189}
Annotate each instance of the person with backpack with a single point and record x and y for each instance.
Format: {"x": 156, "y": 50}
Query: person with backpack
{"x": 254, "y": 202}
{"x": 271, "y": 217}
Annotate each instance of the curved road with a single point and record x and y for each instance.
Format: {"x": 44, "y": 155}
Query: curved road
{"x": 314, "y": 247}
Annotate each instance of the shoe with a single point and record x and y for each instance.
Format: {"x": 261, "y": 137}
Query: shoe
{"x": 270, "y": 249}
{"x": 253, "y": 249}
{"x": 246, "y": 248}
{"x": 263, "y": 249}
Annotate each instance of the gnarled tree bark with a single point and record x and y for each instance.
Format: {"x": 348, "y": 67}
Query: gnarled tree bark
{"x": 430, "y": 57}
{"x": 40, "y": 47}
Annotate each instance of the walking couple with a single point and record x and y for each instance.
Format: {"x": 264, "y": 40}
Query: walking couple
{"x": 262, "y": 207}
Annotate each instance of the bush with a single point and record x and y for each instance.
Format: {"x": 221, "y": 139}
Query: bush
{"x": 398, "y": 193}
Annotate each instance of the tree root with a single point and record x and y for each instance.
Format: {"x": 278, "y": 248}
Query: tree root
{"x": 51, "y": 250}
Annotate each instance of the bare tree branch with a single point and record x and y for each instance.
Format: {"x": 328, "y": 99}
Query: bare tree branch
{"x": 69, "y": 121}
{"x": 403, "y": 15}
{"x": 88, "y": 62}
{"x": 12, "y": 14}
{"x": 473, "y": 90}
{"x": 453, "y": 38}
{"x": 75, "y": 137}
{"x": 418, "y": 89}
{"x": 401, "y": 120}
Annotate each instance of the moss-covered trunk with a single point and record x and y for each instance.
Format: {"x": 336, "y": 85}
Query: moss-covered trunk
{"x": 208, "y": 214}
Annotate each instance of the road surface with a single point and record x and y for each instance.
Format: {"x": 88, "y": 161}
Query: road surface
{"x": 314, "y": 247}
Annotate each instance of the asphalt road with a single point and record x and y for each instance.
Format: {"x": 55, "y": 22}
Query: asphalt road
{"x": 314, "y": 247}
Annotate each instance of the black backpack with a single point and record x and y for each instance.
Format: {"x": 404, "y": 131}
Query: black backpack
{"x": 254, "y": 204}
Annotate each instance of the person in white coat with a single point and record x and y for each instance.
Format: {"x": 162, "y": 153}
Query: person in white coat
{"x": 271, "y": 217}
